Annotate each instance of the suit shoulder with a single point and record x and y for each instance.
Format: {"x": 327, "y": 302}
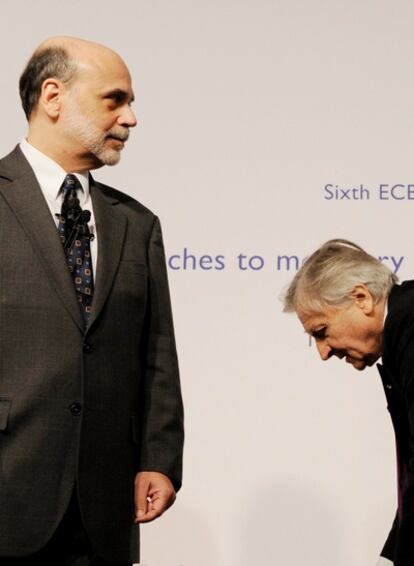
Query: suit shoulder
{"x": 399, "y": 323}
{"x": 14, "y": 165}
{"x": 401, "y": 300}
{"x": 128, "y": 203}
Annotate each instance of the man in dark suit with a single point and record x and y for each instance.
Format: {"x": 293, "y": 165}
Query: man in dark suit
{"x": 91, "y": 424}
{"x": 353, "y": 307}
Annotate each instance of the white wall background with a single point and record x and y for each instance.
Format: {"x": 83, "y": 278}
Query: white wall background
{"x": 247, "y": 109}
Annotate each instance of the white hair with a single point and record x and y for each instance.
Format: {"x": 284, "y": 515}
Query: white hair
{"x": 330, "y": 274}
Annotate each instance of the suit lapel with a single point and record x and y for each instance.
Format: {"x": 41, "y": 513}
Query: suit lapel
{"x": 110, "y": 227}
{"x": 26, "y": 200}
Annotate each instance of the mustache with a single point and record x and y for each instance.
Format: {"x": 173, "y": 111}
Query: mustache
{"x": 121, "y": 134}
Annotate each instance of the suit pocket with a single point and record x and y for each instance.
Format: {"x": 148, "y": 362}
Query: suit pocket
{"x": 136, "y": 429}
{"x": 5, "y": 406}
{"x": 132, "y": 266}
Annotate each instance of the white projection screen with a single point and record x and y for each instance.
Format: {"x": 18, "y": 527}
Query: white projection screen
{"x": 265, "y": 128}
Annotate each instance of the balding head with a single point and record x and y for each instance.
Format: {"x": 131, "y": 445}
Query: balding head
{"x": 76, "y": 95}
{"x": 76, "y": 46}
{"x": 60, "y": 58}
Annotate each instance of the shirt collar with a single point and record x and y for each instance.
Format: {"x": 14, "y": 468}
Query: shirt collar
{"x": 50, "y": 174}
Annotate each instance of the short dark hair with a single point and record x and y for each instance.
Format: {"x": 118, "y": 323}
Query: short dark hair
{"x": 44, "y": 63}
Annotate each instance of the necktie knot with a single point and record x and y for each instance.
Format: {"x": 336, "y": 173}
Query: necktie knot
{"x": 71, "y": 205}
{"x": 70, "y": 182}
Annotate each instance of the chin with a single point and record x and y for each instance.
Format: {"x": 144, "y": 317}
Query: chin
{"x": 109, "y": 157}
{"x": 357, "y": 364}
{"x": 362, "y": 364}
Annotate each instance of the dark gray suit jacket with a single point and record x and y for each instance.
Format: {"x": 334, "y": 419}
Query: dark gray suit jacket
{"x": 91, "y": 407}
{"x": 397, "y": 372}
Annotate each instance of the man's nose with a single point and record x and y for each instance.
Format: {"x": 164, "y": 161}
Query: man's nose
{"x": 325, "y": 351}
{"x": 127, "y": 117}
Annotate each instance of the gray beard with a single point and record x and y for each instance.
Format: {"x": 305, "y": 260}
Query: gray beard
{"x": 92, "y": 139}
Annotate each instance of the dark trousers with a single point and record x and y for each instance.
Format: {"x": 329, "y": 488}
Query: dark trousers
{"x": 69, "y": 546}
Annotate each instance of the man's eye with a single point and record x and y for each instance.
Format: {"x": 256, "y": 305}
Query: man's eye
{"x": 319, "y": 334}
{"x": 115, "y": 98}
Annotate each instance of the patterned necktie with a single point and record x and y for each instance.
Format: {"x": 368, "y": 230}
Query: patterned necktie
{"x": 75, "y": 236}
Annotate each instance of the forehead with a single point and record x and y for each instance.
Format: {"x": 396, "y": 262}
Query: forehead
{"x": 312, "y": 320}
{"x": 104, "y": 71}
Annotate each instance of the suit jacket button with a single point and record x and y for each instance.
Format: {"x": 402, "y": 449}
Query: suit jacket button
{"x": 75, "y": 408}
{"x": 88, "y": 348}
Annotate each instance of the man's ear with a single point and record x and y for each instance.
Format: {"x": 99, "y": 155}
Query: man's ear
{"x": 50, "y": 97}
{"x": 363, "y": 299}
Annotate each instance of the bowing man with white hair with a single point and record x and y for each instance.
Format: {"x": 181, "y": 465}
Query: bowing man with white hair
{"x": 354, "y": 308}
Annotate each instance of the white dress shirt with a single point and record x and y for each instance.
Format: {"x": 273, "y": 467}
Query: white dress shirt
{"x": 50, "y": 177}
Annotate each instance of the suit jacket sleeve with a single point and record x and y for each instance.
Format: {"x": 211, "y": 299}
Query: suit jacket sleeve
{"x": 400, "y": 343}
{"x": 162, "y": 425}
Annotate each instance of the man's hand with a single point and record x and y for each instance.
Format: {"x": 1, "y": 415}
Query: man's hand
{"x": 154, "y": 493}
